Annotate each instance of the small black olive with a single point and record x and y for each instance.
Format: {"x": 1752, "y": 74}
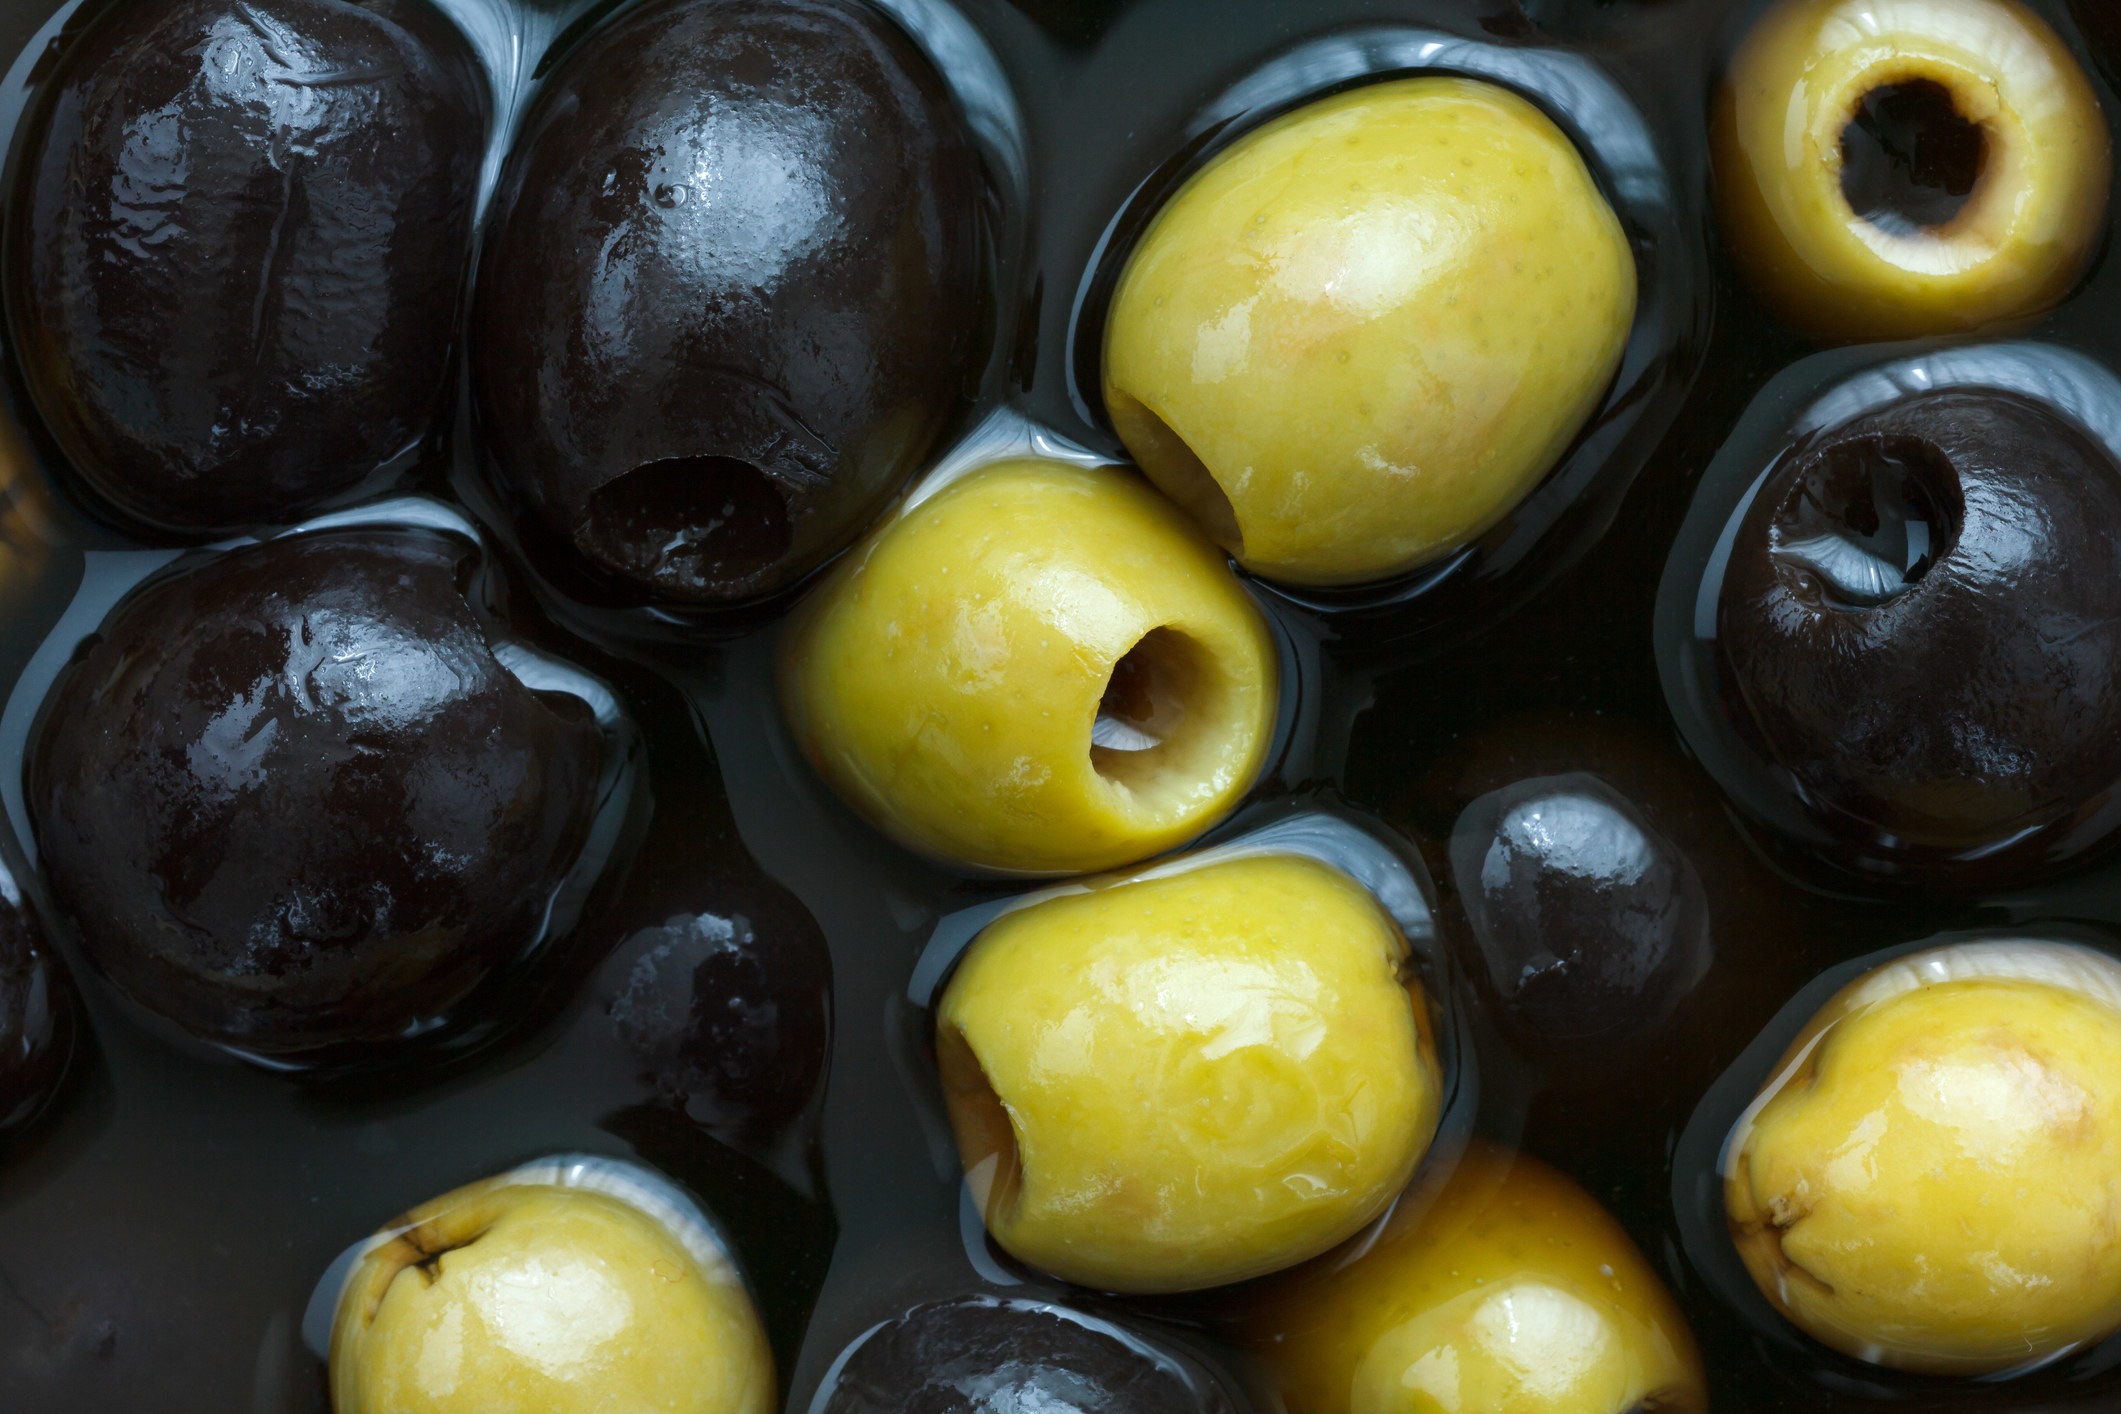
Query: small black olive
{"x": 38, "y": 1014}
{"x": 236, "y": 256}
{"x": 294, "y": 801}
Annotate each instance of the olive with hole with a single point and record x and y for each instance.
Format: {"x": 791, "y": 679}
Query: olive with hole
{"x": 1928, "y": 167}
{"x": 731, "y": 295}
{"x": 1359, "y": 337}
{"x": 1039, "y": 669}
{"x": 977, "y": 1354}
{"x": 1499, "y": 1286}
{"x": 294, "y": 802}
{"x": 1954, "y": 1114}
{"x": 238, "y": 249}
{"x": 549, "y": 1297}
{"x": 1922, "y": 621}
{"x": 39, "y": 1015}
{"x": 1198, "y": 1077}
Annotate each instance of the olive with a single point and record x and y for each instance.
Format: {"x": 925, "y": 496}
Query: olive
{"x": 980, "y": 1353}
{"x": 731, "y": 294}
{"x": 239, "y": 247}
{"x": 38, "y": 1014}
{"x": 1040, "y": 668}
{"x": 1922, "y": 617}
{"x": 293, "y": 800}
{"x": 1591, "y": 922}
{"x": 1930, "y": 167}
{"x": 1362, "y": 334}
{"x": 1928, "y": 1182}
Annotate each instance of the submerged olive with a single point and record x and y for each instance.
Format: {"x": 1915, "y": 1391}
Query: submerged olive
{"x": 981, "y": 1353}
{"x": 239, "y": 246}
{"x": 293, "y": 799}
{"x": 1922, "y": 615}
{"x": 1591, "y": 922}
{"x": 37, "y": 1014}
{"x": 731, "y": 292}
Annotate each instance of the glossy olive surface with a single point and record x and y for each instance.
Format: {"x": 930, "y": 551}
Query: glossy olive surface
{"x": 1923, "y": 616}
{"x": 291, "y": 798}
{"x": 977, "y": 1354}
{"x": 730, "y": 294}
{"x": 39, "y": 1015}
{"x": 238, "y": 245}
{"x": 1591, "y": 922}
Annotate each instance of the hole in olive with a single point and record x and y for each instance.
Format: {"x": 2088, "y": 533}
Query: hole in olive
{"x": 1868, "y": 518}
{"x": 1171, "y": 464}
{"x": 688, "y": 523}
{"x": 1150, "y": 710}
{"x": 1909, "y": 159}
{"x": 981, "y": 1124}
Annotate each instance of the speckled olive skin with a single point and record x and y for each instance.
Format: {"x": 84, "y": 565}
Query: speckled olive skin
{"x": 38, "y": 1015}
{"x": 977, "y": 1353}
{"x": 1984, "y": 699}
{"x": 292, "y": 799}
{"x": 730, "y": 296}
{"x": 236, "y": 256}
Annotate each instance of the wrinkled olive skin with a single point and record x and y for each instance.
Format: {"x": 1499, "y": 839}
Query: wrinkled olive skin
{"x": 38, "y": 1015}
{"x": 238, "y": 250}
{"x": 1980, "y": 701}
{"x": 730, "y": 295}
{"x": 976, "y": 1354}
{"x": 1591, "y": 922}
{"x": 294, "y": 802}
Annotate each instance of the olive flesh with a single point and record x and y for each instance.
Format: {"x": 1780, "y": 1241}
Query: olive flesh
{"x": 239, "y": 247}
{"x": 293, "y": 800}
{"x": 1922, "y": 616}
{"x": 744, "y": 239}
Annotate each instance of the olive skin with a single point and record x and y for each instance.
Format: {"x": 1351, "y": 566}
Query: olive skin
{"x": 236, "y": 258}
{"x": 730, "y": 295}
{"x": 38, "y": 1015}
{"x": 1922, "y": 616}
{"x": 294, "y": 802}
{"x": 1592, "y": 923}
{"x": 979, "y": 1353}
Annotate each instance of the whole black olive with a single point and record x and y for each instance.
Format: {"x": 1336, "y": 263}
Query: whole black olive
{"x": 1591, "y": 922}
{"x": 1922, "y": 617}
{"x": 731, "y": 292}
{"x": 295, "y": 802}
{"x": 37, "y": 1014}
{"x": 980, "y": 1353}
{"x": 239, "y": 246}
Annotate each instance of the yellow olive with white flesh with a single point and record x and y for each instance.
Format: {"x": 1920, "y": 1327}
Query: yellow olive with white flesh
{"x": 1039, "y": 669}
{"x": 1932, "y": 1178}
{"x": 1510, "y": 1291}
{"x": 1889, "y": 169}
{"x": 1174, "y": 1082}
{"x": 1359, "y": 337}
{"x": 539, "y": 1298}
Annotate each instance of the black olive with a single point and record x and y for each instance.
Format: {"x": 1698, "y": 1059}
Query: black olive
{"x": 731, "y": 293}
{"x": 38, "y": 1014}
{"x": 236, "y": 256}
{"x": 1922, "y": 617}
{"x": 293, "y": 800}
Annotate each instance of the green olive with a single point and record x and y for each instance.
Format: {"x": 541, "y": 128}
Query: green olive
{"x": 1931, "y": 1180}
{"x": 1359, "y": 337}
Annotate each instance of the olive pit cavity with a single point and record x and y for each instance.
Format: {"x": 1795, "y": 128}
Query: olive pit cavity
{"x": 695, "y": 523}
{"x": 1179, "y": 472}
{"x": 1909, "y": 159}
{"x": 1869, "y": 518}
{"x": 1149, "y": 708}
{"x": 985, "y": 1133}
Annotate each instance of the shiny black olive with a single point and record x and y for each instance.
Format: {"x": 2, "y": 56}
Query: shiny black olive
{"x": 731, "y": 293}
{"x": 38, "y": 1014}
{"x": 980, "y": 1353}
{"x": 294, "y": 801}
{"x": 1591, "y": 922}
{"x": 238, "y": 246}
{"x": 1922, "y": 617}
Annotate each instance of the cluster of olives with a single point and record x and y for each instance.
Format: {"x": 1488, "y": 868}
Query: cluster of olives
{"x": 304, "y": 800}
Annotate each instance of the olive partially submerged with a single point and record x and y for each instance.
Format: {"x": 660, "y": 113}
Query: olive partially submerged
{"x": 240, "y": 243}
